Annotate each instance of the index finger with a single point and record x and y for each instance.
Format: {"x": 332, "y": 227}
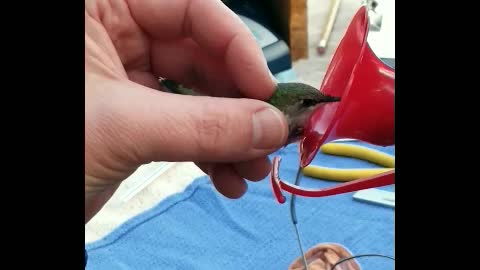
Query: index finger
{"x": 216, "y": 29}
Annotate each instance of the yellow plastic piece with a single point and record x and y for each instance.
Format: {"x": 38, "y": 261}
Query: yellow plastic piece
{"x": 359, "y": 152}
{"x": 342, "y": 175}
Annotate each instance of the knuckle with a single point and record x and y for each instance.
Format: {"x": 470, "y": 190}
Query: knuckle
{"x": 212, "y": 130}
{"x": 223, "y": 133}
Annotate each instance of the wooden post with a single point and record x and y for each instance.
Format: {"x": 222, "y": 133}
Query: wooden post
{"x": 298, "y": 29}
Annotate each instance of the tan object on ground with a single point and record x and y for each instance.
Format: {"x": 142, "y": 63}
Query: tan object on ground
{"x": 324, "y": 256}
{"x": 327, "y": 30}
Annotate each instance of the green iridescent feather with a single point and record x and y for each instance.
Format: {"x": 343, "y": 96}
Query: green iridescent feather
{"x": 296, "y": 100}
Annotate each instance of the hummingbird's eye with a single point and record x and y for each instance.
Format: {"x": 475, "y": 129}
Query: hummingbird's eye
{"x": 308, "y": 102}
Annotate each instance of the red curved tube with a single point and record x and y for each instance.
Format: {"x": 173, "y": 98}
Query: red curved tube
{"x": 274, "y": 179}
{"x": 278, "y": 185}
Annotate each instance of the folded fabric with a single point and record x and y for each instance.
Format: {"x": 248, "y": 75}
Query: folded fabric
{"x": 201, "y": 229}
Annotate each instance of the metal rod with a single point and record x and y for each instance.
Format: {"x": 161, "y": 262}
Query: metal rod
{"x": 332, "y": 16}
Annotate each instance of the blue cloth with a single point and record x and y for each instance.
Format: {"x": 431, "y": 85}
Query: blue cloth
{"x": 200, "y": 229}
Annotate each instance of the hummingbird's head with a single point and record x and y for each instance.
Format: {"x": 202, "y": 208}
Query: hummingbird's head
{"x": 297, "y": 101}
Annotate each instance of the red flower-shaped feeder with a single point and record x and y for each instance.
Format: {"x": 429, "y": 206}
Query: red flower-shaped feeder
{"x": 366, "y": 111}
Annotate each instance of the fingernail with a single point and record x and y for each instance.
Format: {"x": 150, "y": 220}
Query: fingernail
{"x": 268, "y": 129}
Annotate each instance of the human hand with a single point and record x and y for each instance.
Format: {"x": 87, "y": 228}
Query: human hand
{"x": 199, "y": 43}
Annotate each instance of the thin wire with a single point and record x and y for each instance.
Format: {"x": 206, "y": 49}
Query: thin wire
{"x": 293, "y": 216}
{"x": 362, "y": 255}
{"x": 293, "y": 213}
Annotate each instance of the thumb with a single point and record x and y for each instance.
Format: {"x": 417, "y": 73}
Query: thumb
{"x": 203, "y": 129}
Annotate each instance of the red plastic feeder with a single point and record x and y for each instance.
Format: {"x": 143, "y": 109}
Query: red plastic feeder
{"x": 366, "y": 86}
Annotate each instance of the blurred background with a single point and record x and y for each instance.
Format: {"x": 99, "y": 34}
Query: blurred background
{"x": 298, "y": 38}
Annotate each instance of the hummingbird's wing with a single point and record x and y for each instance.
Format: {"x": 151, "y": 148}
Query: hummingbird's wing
{"x": 177, "y": 88}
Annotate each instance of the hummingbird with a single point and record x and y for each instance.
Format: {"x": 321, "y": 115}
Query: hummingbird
{"x": 294, "y": 99}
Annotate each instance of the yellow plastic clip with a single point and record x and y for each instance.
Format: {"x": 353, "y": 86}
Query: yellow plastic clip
{"x": 353, "y": 151}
